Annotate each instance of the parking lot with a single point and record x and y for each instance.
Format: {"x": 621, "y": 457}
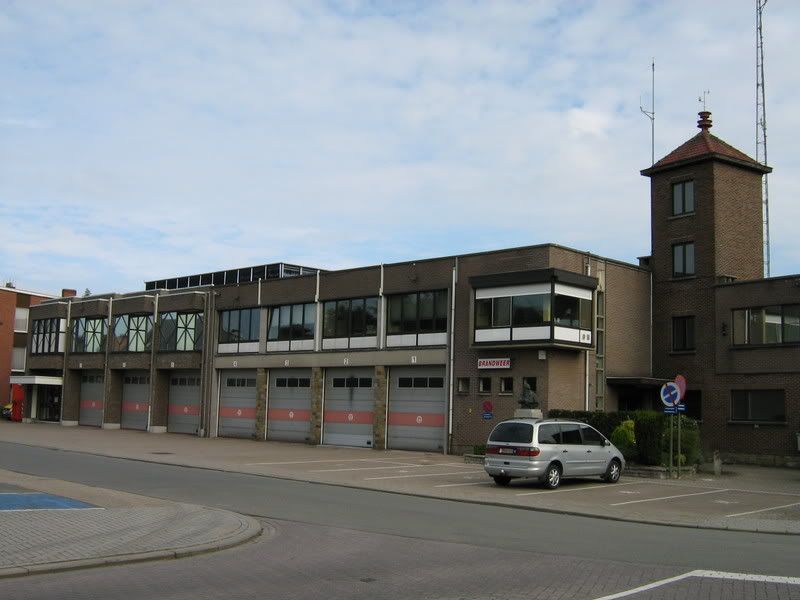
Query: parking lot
{"x": 749, "y": 498}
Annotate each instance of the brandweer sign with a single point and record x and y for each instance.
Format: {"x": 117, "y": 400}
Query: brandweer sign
{"x": 494, "y": 363}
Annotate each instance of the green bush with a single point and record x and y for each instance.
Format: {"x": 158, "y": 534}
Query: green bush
{"x": 690, "y": 442}
{"x": 623, "y": 437}
{"x": 649, "y": 431}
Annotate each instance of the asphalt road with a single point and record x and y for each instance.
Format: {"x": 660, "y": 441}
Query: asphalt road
{"x": 341, "y": 542}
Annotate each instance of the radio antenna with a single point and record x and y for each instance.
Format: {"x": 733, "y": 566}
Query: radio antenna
{"x": 651, "y": 114}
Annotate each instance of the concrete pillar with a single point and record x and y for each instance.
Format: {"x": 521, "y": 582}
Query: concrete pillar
{"x": 317, "y": 390}
{"x": 71, "y": 400}
{"x": 262, "y": 384}
{"x": 113, "y": 399}
{"x": 379, "y": 424}
{"x": 159, "y": 403}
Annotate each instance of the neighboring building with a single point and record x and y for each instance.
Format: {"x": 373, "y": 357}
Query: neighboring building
{"x": 429, "y": 355}
{"x": 15, "y": 307}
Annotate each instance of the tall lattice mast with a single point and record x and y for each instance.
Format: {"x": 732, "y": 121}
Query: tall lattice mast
{"x": 761, "y": 125}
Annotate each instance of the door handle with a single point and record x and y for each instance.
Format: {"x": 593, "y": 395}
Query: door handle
{"x": 588, "y": 452}
{"x": 565, "y": 451}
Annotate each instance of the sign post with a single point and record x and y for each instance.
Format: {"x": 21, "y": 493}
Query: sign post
{"x": 670, "y": 398}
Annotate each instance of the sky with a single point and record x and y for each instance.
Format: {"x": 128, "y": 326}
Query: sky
{"x": 143, "y": 140}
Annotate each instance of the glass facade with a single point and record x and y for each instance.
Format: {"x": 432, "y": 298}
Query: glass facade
{"x": 45, "y": 338}
{"x": 418, "y": 312}
{"x": 292, "y": 322}
{"x": 89, "y": 334}
{"x": 132, "y": 333}
{"x": 778, "y": 324}
{"x": 357, "y": 317}
{"x": 180, "y": 332}
{"x": 241, "y": 325}
{"x": 513, "y": 311}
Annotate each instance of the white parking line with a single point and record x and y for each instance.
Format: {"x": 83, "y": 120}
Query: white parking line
{"x": 668, "y": 497}
{"x": 752, "y": 512}
{"x": 420, "y": 475}
{"x": 578, "y": 489}
{"x": 341, "y": 460}
{"x": 705, "y": 574}
{"x": 402, "y": 466}
{"x": 448, "y": 485}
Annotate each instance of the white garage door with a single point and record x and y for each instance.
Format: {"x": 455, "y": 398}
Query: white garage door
{"x": 417, "y": 408}
{"x": 349, "y": 407}
{"x": 92, "y": 394}
{"x": 184, "y": 402}
{"x": 135, "y": 400}
{"x": 289, "y": 414}
{"x": 237, "y": 404}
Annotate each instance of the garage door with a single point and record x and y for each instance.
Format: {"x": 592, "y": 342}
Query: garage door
{"x": 237, "y": 404}
{"x": 184, "y": 402}
{"x": 417, "y": 408}
{"x": 289, "y": 414}
{"x": 135, "y": 400}
{"x": 92, "y": 394}
{"x": 349, "y": 407}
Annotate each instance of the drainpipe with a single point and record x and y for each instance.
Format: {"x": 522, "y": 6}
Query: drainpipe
{"x": 154, "y": 341}
{"x": 450, "y": 366}
{"x": 67, "y": 340}
{"x": 586, "y": 353}
{"x": 651, "y": 320}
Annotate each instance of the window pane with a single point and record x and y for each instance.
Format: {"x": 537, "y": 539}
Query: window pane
{"x": 566, "y": 311}
{"x": 739, "y": 327}
{"x": 426, "y": 312}
{"x": 756, "y": 325}
{"x": 483, "y": 313}
{"x": 404, "y": 382}
{"x": 394, "y": 324}
{"x": 309, "y": 321}
{"x": 591, "y": 437}
{"x": 329, "y": 320}
{"x": 169, "y": 331}
{"x": 371, "y": 316}
{"x": 342, "y": 318}
{"x": 338, "y": 382}
{"x": 677, "y": 261}
{"x": 571, "y": 434}
{"x": 549, "y": 434}
{"x": 436, "y": 382}
{"x": 689, "y": 257}
{"x": 409, "y": 313}
{"x": 274, "y": 318}
{"x": 772, "y": 325}
{"x": 529, "y": 311}
{"x": 244, "y": 325}
{"x": 285, "y": 323}
{"x": 767, "y": 405}
{"x": 791, "y": 323}
{"x": 586, "y": 314}
{"x": 677, "y": 199}
{"x": 440, "y": 310}
{"x": 297, "y": 321}
{"x": 357, "y": 318}
{"x": 688, "y": 196}
{"x": 501, "y": 312}
{"x": 513, "y": 433}
{"x": 365, "y": 382}
{"x": 420, "y": 382}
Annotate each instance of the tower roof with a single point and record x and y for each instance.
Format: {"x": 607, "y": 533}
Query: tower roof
{"x": 705, "y": 146}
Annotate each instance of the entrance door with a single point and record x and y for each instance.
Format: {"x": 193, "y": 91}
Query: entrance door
{"x": 349, "y": 407}
{"x": 289, "y": 414}
{"x": 91, "y": 402}
{"x": 135, "y": 400}
{"x": 184, "y": 402}
{"x": 417, "y": 408}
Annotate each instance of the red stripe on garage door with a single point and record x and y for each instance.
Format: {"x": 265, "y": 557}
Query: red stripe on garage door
{"x": 96, "y": 404}
{"x": 184, "y": 409}
{"x": 237, "y": 413}
{"x": 288, "y": 414}
{"x": 345, "y": 416}
{"x": 137, "y": 407}
{"x": 416, "y": 419}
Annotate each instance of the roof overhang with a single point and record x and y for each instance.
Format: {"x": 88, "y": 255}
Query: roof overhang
{"x": 535, "y": 276}
{"x": 641, "y": 382}
{"x": 744, "y": 164}
{"x": 36, "y": 380}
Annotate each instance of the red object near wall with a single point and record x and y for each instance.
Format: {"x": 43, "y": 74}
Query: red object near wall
{"x": 17, "y": 402}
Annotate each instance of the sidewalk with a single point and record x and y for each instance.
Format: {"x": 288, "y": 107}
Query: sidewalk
{"x": 743, "y": 498}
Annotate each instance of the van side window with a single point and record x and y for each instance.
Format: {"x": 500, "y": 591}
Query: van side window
{"x": 570, "y": 434}
{"x": 549, "y": 434}
{"x": 591, "y": 437}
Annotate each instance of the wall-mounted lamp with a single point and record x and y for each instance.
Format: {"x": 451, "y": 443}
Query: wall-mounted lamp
{"x": 724, "y": 329}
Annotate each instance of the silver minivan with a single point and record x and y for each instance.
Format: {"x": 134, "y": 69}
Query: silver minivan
{"x": 549, "y": 450}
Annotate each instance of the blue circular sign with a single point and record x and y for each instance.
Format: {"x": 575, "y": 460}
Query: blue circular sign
{"x": 670, "y": 394}
{"x": 487, "y": 416}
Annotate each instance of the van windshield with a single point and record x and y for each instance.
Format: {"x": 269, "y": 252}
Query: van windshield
{"x": 514, "y": 433}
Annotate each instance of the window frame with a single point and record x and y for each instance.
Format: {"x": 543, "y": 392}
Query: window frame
{"x": 784, "y": 330}
{"x": 86, "y": 340}
{"x": 683, "y": 324}
{"x": 406, "y": 325}
{"x": 343, "y": 316}
{"x": 750, "y": 402}
{"x": 295, "y": 331}
{"x": 682, "y": 186}
{"x": 684, "y": 273}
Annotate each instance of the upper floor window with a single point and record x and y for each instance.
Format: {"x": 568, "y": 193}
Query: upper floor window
{"x": 357, "y": 317}
{"x": 682, "y": 198}
{"x": 241, "y": 325}
{"x": 683, "y": 259}
{"x": 133, "y": 333}
{"x": 180, "y": 332}
{"x": 512, "y": 311}
{"x": 569, "y": 311}
{"x": 683, "y": 333}
{"x": 418, "y": 312}
{"x": 89, "y": 334}
{"x": 758, "y": 405}
{"x": 21, "y": 319}
{"x": 47, "y": 336}
{"x": 767, "y": 325}
{"x": 292, "y": 322}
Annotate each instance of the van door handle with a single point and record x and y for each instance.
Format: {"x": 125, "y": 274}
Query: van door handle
{"x": 565, "y": 450}
{"x": 588, "y": 452}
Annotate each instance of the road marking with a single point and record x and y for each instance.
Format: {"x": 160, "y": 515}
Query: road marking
{"x": 49, "y": 509}
{"x": 339, "y": 460}
{"x": 744, "y": 491}
{"x": 409, "y": 466}
{"x": 669, "y": 497}
{"x": 448, "y": 485}
{"x": 577, "y": 489}
{"x": 705, "y": 574}
{"x": 409, "y": 476}
{"x": 752, "y": 512}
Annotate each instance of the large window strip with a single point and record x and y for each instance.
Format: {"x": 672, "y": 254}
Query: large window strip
{"x": 132, "y": 333}
{"x": 778, "y": 324}
{"x": 761, "y": 406}
{"x": 180, "y": 332}
{"x": 417, "y": 312}
{"x": 356, "y": 317}
{"x": 89, "y": 334}
{"x": 292, "y": 322}
{"x": 46, "y": 336}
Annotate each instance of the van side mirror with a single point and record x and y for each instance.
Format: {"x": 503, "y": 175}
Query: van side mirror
{"x": 606, "y": 442}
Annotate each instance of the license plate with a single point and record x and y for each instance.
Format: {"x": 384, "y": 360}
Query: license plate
{"x": 507, "y": 451}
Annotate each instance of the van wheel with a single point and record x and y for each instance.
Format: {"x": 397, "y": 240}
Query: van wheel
{"x": 613, "y": 472}
{"x": 501, "y": 480}
{"x": 552, "y": 478}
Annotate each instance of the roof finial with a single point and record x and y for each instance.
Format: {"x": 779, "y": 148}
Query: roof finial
{"x": 704, "y": 122}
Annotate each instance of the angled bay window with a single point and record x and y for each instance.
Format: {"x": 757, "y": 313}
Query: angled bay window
{"x": 239, "y": 330}
{"x": 132, "y": 333}
{"x": 47, "y": 336}
{"x": 180, "y": 332}
{"x": 417, "y": 319}
{"x": 292, "y": 327}
{"x": 89, "y": 334}
{"x": 766, "y": 325}
{"x": 350, "y": 323}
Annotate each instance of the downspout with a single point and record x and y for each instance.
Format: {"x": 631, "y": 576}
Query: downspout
{"x": 106, "y": 368}
{"x": 651, "y": 320}
{"x": 382, "y": 313}
{"x": 586, "y": 353}
{"x": 154, "y": 340}
{"x": 452, "y": 355}
{"x": 67, "y": 343}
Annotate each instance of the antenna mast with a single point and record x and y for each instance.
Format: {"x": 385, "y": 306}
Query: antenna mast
{"x": 651, "y": 114}
{"x": 761, "y": 125}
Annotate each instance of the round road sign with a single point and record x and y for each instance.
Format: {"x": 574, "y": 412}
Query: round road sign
{"x": 670, "y": 394}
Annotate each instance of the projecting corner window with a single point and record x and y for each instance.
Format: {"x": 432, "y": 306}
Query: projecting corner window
{"x": 683, "y": 259}
{"x": 682, "y": 198}
{"x": 683, "y": 334}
